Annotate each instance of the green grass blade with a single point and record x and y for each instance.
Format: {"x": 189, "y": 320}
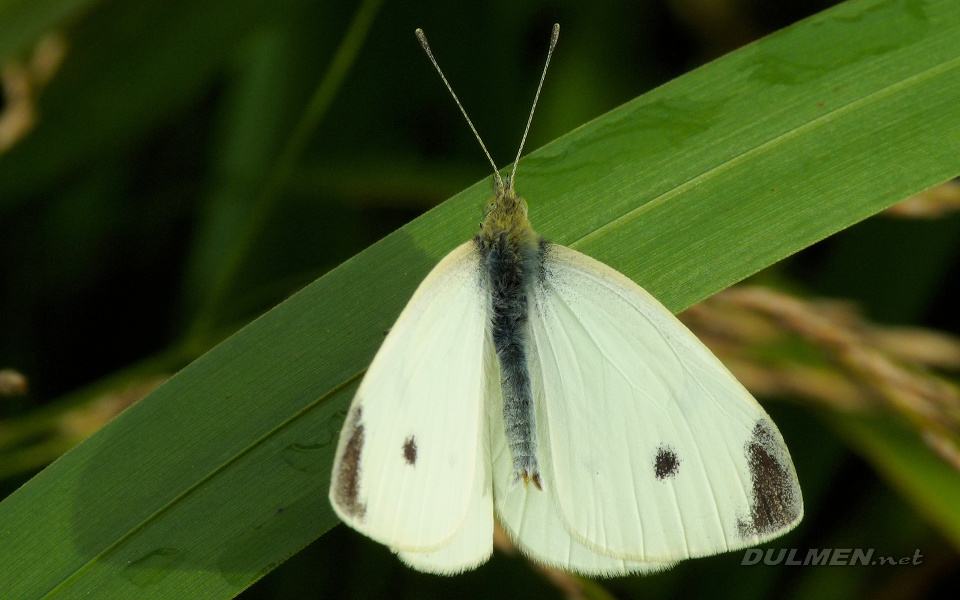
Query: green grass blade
{"x": 221, "y": 473}
{"x": 236, "y": 244}
{"x": 901, "y": 457}
{"x": 102, "y": 99}
{"x": 23, "y": 21}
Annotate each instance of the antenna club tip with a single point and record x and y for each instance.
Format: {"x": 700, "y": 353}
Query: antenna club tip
{"x": 423, "y": 42}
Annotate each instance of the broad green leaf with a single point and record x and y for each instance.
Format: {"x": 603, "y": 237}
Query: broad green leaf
{"x": 222, "y": 473}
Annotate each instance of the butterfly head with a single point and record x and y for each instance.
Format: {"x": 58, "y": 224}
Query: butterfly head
{"x": 506, "y": 213}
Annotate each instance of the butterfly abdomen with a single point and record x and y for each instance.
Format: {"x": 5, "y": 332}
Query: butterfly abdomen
{"x": 508, "y": 260}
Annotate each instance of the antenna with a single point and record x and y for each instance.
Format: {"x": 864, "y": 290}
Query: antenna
{"x": 426, "y": 48}
{"x": 553, "y": 42}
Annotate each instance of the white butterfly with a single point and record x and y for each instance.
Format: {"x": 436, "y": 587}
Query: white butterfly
{"x": 527, "y": 380}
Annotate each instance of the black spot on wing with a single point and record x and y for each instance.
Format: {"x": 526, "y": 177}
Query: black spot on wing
{"x": 410, "y": 450}
{"x": 666, "y": 464}
{"x": 348, "y": 477}
{"x": 775, "y": 501}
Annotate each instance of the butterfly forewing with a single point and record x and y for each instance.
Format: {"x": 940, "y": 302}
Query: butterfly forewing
{"x": 654, "y": 451}
{"x": 405, "y": 472}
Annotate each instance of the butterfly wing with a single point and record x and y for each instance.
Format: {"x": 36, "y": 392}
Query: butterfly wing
{"x": 655, "y": 452}
{"x": 531, "y": 516}
{"x": 406, "y": 467}
{"x": 473, "y": 544}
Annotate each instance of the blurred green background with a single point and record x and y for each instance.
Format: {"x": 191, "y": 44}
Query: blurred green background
{"x": 163, "y": 189}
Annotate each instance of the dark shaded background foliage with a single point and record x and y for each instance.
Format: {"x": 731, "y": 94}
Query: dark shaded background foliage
{"x": 111, "y": 214}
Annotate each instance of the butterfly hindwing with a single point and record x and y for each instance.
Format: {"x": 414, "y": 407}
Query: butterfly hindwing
{"x": 530, "y": 516}
{"x": 465, "y": 550}
{"x": 472, "y": 545}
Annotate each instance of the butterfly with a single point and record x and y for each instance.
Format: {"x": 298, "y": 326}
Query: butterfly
{"x": 527, "y": 381}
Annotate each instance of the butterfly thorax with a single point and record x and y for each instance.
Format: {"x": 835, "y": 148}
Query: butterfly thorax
{"x": 511, "y": 253}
